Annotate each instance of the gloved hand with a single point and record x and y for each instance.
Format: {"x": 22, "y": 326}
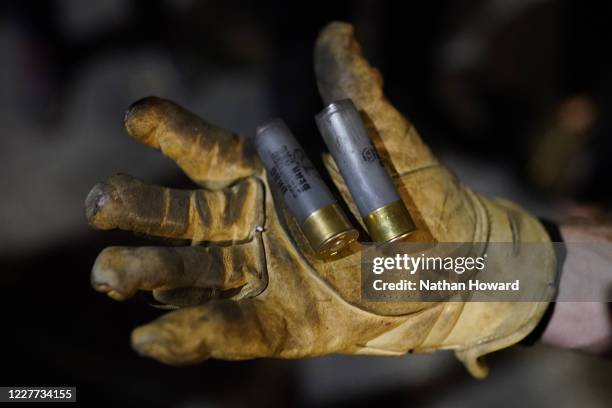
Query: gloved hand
{"x": 250, "y": 286}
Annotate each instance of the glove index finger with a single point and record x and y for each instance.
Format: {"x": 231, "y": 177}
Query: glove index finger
{"x": 343, "y": 72}
{"x": 210, "y": 155}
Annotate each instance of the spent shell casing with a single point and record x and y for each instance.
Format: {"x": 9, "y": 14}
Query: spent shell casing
{"x": 380, "y": 205}
{"x": 304, "y": 192}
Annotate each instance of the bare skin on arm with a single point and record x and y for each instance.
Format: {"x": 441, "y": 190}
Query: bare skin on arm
{"x": 585, "y": 325}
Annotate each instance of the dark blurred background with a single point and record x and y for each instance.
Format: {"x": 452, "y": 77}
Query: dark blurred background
{"x": 514, "y": 96}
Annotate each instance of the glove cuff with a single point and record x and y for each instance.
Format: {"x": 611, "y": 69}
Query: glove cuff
{"x": 484, "y": 327}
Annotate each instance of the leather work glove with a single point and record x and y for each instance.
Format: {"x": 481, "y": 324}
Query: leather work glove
{"x": 250, "y": 286}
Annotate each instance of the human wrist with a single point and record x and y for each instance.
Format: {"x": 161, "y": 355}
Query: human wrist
{"x": 582, "y": 325}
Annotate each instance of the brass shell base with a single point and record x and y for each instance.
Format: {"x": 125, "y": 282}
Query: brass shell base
{"x": 328, "y": 231}
{"x": 389, "y": 223}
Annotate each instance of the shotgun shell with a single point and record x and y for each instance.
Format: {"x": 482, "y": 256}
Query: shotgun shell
{"x": 383, "y": 212}
{"x": 309, "y": 200}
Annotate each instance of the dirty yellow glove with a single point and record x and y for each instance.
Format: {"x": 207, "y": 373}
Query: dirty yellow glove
{"x": 250, "y": 286}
